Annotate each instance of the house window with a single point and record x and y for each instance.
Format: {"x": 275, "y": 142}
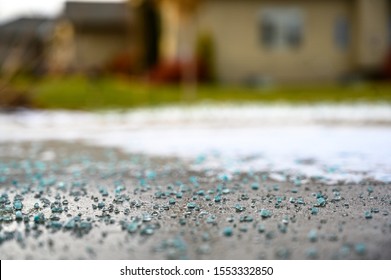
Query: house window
{"x": 281, "y": 28}
{"x": 342, "y": 33}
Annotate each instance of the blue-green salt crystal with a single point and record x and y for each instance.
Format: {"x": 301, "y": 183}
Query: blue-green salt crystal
{"x": 119, "y": 189}
{"x": 18, "y": 215}
{"x": 312, "y": 253}
{"x": 18, "y": 205}
{"x": 224, "y": 177}
{"x": 7, "y": 209}
{"x": 292, "y": 200}
{"x": 191, "y": 205}
{"x": 54, "y": 217}
{"x": 172, "y": 201}
{"x": 3, "y": 179}
{"x": 314, "y": 211}
{"x": 227, "y": 231}
{"x": 312, "y": 235}
{"x": 158, "y": 194}
{"x": 205, "y": 236}
{"x": 55, "y": 225}
{"x": 239, "y": 208}
{"x": 243, "y": 228}
{"x": 207, "y": 197}
{"x": 70, "y": 224}
{"x": 217, "y": 198}
{"x": 375, "y": 210}
{"x": 166, "y": 207}
{"x": 368, "y": 215}
{"x": 85, "y": 226}
{"x": 132, "y": 227}
{"x": 370, "y": 190}
{"x": 246, "y": 219}
{"x": 200, "y": 159}
{"x": 39, "y": 218}
{"x": 142, "y": 182}
{"x": 6, "y": 219}
{"x": 265, "y": 213}
{"x": 261, "y": 228}
{"x": 61, "y": 185}
{"x": 270, "y": 235}
{"x": 360, "y": 248}
{"x": 179, "y": 195}
{"x": 254, "y": 186}
{"x": 101, "y": 205}
{"x": 211, "y": 219}
{"x": 103, "y": 191}
{"x": 282, "y": 228}
{"x": 344, "y": 250}
{"x": 201, "y": 193}
{"x": 56, "y": 209}
{"x": 318, "y": 195}
{"x": 147, "y": 231}
{"x": 244, "y": 196}
{"x": 321, "y": 201}
{"x": 151, "y": 175}
{"x": 193, "y": 180}
{"x": 147, "y": 218}
{"x": 226, "y": 191}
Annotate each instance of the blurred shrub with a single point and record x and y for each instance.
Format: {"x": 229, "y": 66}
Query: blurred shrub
{"x": 387, "y": 66}
{"x": 205, "y": 53}
{"x": 12, "y": 98}
{"x": 173, "y": 72}
{"x": 122, "y": 63}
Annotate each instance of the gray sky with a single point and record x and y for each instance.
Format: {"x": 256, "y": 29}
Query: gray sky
{"x": 13, "y": 8}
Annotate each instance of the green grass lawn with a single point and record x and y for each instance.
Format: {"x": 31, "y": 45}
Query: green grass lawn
{"x": 109, "y": 93}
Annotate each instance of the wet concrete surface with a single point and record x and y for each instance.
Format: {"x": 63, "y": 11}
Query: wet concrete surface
{"x": 86, "y": 202}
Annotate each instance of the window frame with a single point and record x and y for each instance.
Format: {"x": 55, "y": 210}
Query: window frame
{"x": 286, "y": 28}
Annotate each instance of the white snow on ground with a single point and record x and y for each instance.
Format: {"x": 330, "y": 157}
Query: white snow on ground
{"x": 337, "y": 143}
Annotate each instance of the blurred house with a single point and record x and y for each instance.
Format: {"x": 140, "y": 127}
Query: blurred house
{"x": 237, "y": 41}
{"x": 101, "y": 34}
{"x": 280, "y": 40}
{"x": 23, "y": 43}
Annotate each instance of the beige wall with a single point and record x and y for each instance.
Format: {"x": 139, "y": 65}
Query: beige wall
{"x": 372, "y": 40}
{"x": 240, "y": 54}
{"x": 95, "y": 49}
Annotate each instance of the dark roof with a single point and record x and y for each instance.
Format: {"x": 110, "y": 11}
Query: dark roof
{"x": 97, "y": 14}
{"x": 38, "y": 27}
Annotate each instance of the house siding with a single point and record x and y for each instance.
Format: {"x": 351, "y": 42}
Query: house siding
{"x": 96, "y": 49}
{"x": 234, "y": 26}
{"x": 372, "y": 42}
